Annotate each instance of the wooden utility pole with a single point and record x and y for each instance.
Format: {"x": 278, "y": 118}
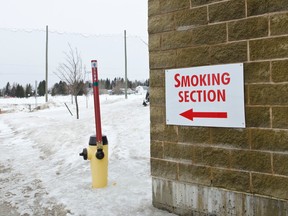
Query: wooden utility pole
{"x": 125, "y": 48}
{"x": 46, "y": 82}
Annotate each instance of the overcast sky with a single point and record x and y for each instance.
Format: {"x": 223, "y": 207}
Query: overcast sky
{"x": 85, "y": 16}
{"x": 100, "y": 25}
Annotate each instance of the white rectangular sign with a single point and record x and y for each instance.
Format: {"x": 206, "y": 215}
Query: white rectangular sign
{"x": 205, "y": 96}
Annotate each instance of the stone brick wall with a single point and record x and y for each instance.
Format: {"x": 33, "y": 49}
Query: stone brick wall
{"x": 251, "y": 161}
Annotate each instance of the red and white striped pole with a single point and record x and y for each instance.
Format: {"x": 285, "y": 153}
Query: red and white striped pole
{"x": 96, "y": 103}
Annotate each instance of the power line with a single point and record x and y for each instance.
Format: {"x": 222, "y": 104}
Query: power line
{"x": 85, "y": 35}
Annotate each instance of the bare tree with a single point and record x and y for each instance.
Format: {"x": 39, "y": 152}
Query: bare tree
{"x": 72, "y": 72}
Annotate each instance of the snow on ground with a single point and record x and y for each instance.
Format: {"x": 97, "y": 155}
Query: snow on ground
{"x": 41, "y": 172}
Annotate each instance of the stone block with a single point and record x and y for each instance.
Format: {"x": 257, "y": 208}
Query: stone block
{"x": 257, "y": 7}
{"x": 162, "y": 6}
{"x": 270, "y": 185}
{"x": 157, "y": 96}
{"x": 256, "y": 27}
{"x": 226, "y": 11}
{"x": 161, "y": 23}
{"x": 257, "y": 117}
{"x": 154, "y": 42}
{"x": 194, "y": 135}
{"x": 279, "y": 24}
{"x": 251, "y": 161}
{"x": 156, "y": 149}
{"x": 209, "y": 34}
{"x": 195, "y": 174}
{"x": 280, "y": 164}
{"x": 157, "y": 115}
{"x": 228, "y": 53}
{"x": 176, "y": 40}
{"x": 165, "y": 59}
{"x": 257, "y": 72}
{"x": 173, "y": 5}
{"x": 269, "y": 139}
{"x": 280, "y": 118}
{"x": 193, "y": 57}
{"x": 270, "y": 48}
{"x": 231, "y": 180}
{"x": 268, "y": 94}
{"x": 170, "y": 133}
{"x": 236, "y": 138}
{"x": 157, "y": 78}
{"x": 156, "y": 130}
{"x": 186, "y": 19}
{"x": 174, "y": 151}
{"x": 211, "y": 156}
{"x": 153, "y": 7}
{"x": 164, "y": 133}
{"x": 204, "y": 35}
{"x": 279, "y": 71}
{"x": 164, "y": 169}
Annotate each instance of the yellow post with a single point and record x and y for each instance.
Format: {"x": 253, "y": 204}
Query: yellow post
{"x": 99, "y": 167}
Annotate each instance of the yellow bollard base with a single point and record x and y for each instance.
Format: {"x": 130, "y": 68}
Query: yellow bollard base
{"x": 99, "y": 168}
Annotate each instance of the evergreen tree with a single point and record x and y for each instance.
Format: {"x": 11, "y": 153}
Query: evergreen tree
{"x": 8, "y": 89}
{"x": 28, "y": 90}
{"x": 60, "y": 88}
{"x": 55, "y": 89}
{"x": 41, "y": 88}
{"x": 13, "y": 90}
{"x": 20, "y": 91}
{"x": 107, "y": 84}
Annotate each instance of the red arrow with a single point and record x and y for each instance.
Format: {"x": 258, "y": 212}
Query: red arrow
{"x": 189, "y": 114}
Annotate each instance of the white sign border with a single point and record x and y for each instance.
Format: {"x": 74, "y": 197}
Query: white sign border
{"x": 235, "y": 104}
